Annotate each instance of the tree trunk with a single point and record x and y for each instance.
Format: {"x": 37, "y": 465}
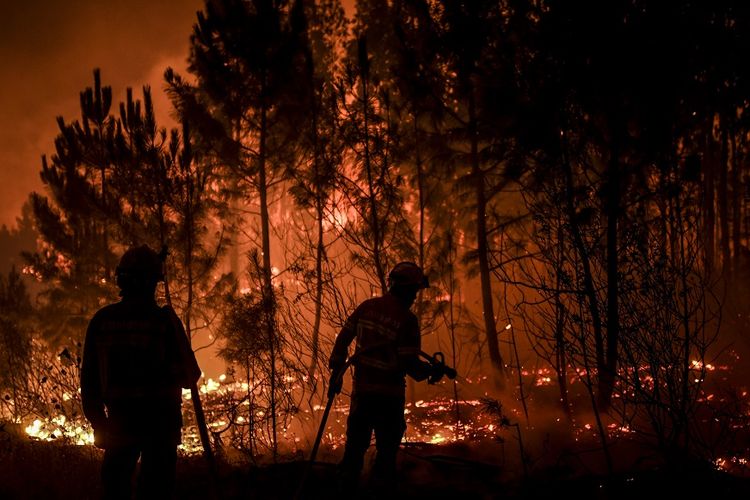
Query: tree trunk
{"x": 736, "y": 208}
{"x": 452, "y": 326}
{"x": 319, "y": 254}
{"x": 374, "y": 221}
{"x": 411, "y": 386}
{"x": 589, "y": 384}
{"x": 490, "y": 328}
{"x": 190, "y": 243}
{"x": 267, "y": 276}
{"x": 578, "y": 243}
{"x": 723, "y": 203}
{"x": 608, "y": 370}
{"x": 319, "y": 216}
{"x": 709, "y": 211}
{"x": 561, "y": 360}
{"x": 685, "y": 316}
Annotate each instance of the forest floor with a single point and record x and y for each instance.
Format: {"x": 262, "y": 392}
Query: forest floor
{"x": 43, "y": 470}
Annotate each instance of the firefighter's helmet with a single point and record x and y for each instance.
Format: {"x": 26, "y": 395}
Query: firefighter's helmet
{"x": 140, "y": 264}
{"x": 407, "y": 274}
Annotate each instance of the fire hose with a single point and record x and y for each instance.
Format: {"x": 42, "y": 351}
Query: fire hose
{"x": 436, "y": 360}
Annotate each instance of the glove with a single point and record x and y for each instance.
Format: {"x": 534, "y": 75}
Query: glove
{"x": 101, "y": 435}
{"x": 335, "y": 383}
{"x": 336, "y": 362}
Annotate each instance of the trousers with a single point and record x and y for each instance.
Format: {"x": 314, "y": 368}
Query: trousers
{"x": 383, "y": 415}
{"x": 157, "y": 474}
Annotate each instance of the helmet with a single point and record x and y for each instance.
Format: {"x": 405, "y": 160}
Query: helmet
{"x": 140, "y": 264}
{"x": 407, "y": 273}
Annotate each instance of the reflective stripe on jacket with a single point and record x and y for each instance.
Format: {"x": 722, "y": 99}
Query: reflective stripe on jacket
{"x": 388, "y": 342}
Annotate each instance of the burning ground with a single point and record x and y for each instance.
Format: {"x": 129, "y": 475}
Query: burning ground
{"x": 481, "y": 446}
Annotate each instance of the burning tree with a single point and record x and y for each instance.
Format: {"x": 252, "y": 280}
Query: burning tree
{"x": 313, "y": 177}
{"x": 372, "y": 183}
{"x": 596, "y": 193}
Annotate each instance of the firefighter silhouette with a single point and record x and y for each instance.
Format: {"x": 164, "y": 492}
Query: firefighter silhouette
{"x": 387, "y": 349}
{"x": 136, "y": 360}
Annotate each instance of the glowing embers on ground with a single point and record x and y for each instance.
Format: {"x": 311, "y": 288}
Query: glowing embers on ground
{"x": 436, "y": 420}
{"x": 734, "y": 465}
{"x": 59, "y": 427}
{"x": 540, "y": 377}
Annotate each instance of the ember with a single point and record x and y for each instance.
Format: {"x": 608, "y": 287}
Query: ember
{"x": 439, "y": 420}
{"x": 561, "y": 228}
{"x": 60, "y": 428}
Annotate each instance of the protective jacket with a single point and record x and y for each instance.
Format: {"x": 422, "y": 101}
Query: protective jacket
{"x": 136, "y": 360}
{"x": 388, "y": 346}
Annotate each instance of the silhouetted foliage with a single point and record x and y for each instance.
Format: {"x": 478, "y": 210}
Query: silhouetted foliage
{"x": 573, "y": 176}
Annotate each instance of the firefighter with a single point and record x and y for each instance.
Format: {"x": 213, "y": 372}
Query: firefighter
{"x": 136, "y": 359}
{"x": 387, "y": 349}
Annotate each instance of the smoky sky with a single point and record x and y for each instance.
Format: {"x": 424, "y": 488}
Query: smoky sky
{"x": 48, "y": 51}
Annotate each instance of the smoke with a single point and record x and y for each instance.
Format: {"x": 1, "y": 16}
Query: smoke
{"x": 48, "y": 50}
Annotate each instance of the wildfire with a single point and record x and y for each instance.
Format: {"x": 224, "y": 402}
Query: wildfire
{"x": 60, "y": 427}
{"x": 732, "y": 464}
{"x": 699, "y": 365}
{"x": 439, "y": 420}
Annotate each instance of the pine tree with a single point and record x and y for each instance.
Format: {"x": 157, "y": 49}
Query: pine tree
{"x": 73, "y": 222}
{"x": 479, "y": 97}
{"x": 379, "y": 235}
{"x": 313, "y": 177}
{"x": 243, "y": 55}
